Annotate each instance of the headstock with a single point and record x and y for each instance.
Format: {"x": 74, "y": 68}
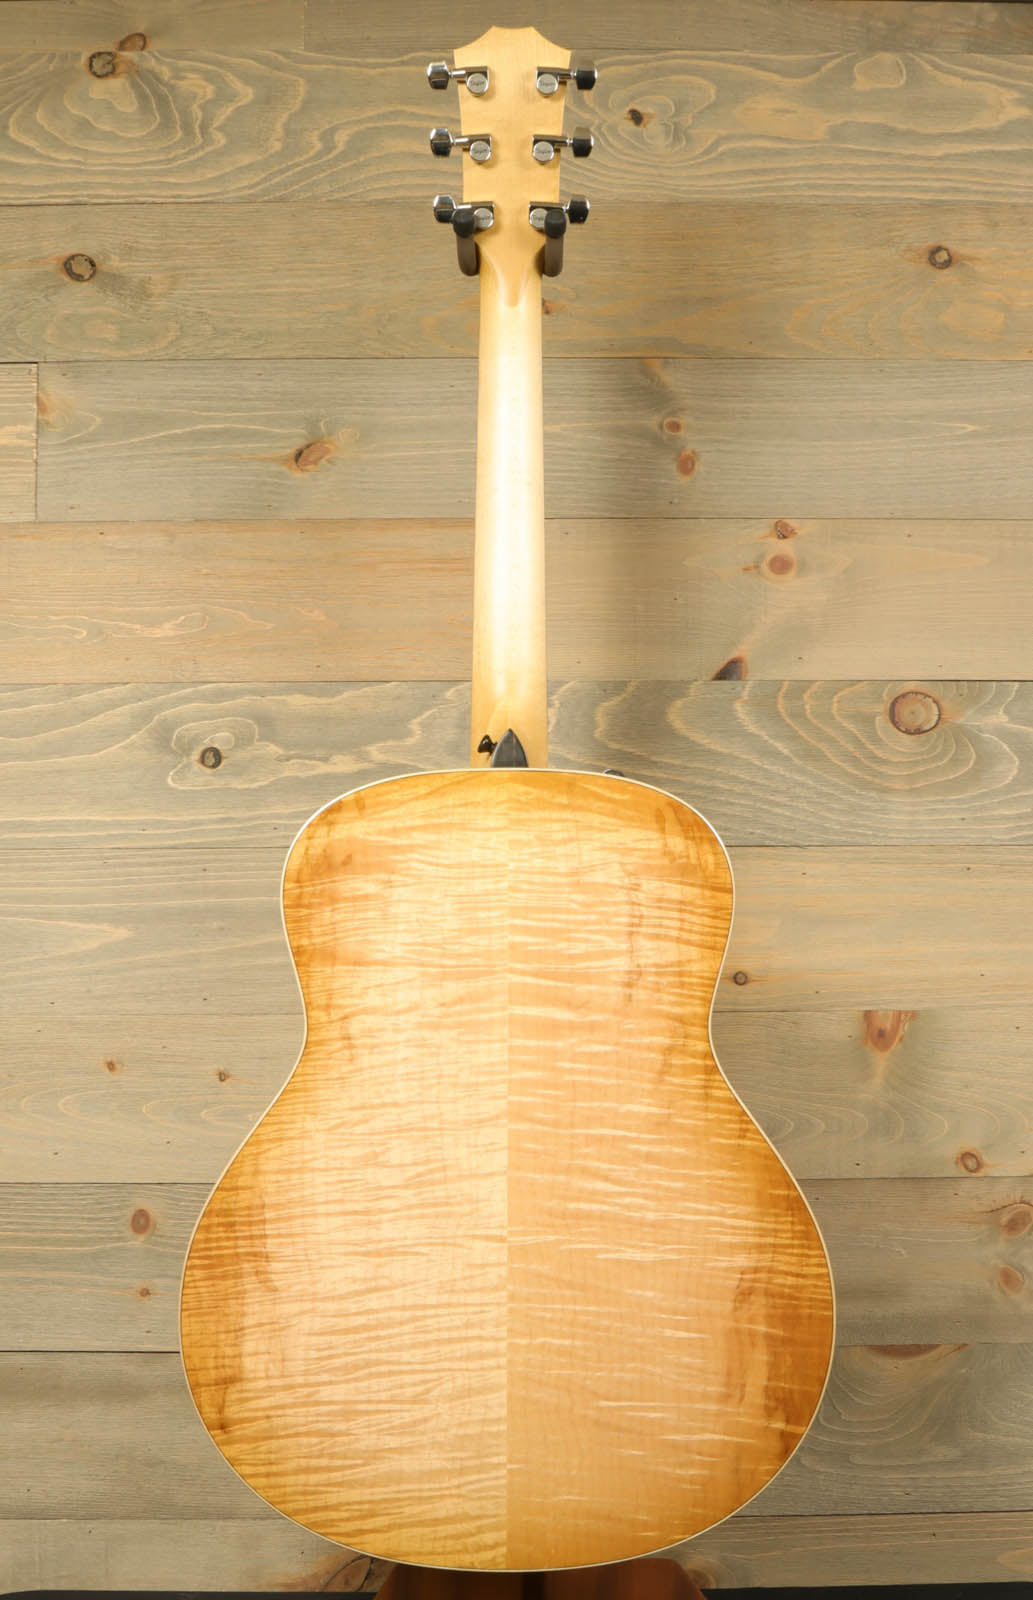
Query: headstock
{"x": 512, "y": 88}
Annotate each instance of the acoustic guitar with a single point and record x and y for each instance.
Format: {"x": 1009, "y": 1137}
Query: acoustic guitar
{"x": 507, "y": 1278}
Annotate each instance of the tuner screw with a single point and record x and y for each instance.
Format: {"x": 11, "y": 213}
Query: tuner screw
{"x": 583, "y": 75}
{"x": 442, "y": 143}
{"x": 544, "y": 145}
{"x": 440, "y": 75}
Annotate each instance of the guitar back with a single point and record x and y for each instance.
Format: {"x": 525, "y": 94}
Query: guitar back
{"x": 507, "y": 1278}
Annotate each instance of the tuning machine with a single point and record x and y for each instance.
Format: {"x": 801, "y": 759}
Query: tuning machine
{"x": 466, "y": 220}
{"x": 551, "y": 218}
{"x": 440, "y": 75}
{"x": 582, "y": 74}
{"x": 545, "y": 145}
{"x": 442, "y": 143}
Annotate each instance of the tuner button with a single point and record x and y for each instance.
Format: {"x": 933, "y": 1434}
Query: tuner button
{"x": 441, "y": 141}
{"x": 577, "y": 208}
{"x": 438, "y": 75}
{"x": 586, "y": 77}
{"x": 444, "y": 207}
{"x": 582, "y": 142}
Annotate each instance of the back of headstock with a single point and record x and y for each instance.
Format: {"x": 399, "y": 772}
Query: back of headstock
{"x": 512, "y": 89}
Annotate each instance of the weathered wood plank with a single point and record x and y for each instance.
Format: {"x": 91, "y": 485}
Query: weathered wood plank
{"x": 168, "y": 1097}
{"x": 935, "y": 1430}
{"x": 247, "y": 124}
{"x": 230, "y": 282}
{"x": 268, "y": 1553}
{"x": 637, "y": 598}
{"x": 98, "y": 1266}
{"x": 587, "y": 25}
{"x": 649, "y": 438}
{"x": 264, "y": 1553}
{"x": 765, "y": 1552}
{"x": 17, "y": 442}
{"x": 928, "y": 1427}
{"x": 129, "y": 932}
{"x": 766, "y": 763}
{"x": 90, "y": 25}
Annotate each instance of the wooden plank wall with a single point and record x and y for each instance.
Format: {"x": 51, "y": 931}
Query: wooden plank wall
{"x": 790, "y": 496}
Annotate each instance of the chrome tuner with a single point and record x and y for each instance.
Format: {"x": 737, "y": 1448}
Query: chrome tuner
{"x": 582, "y": 74}
{"x": 442, "y": 143}
{"x": 545, "y": 145}
{"x": 440, "y": 75}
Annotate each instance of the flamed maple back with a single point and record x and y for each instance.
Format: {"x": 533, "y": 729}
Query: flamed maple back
{"x": 507, "y": 1278}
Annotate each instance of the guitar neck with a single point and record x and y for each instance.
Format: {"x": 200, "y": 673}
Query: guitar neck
{"x": 509, "y": 672}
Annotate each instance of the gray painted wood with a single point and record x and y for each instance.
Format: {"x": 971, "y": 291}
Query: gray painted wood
{"x": 98, "y": 1266}
{"x": 627, "y": 438}
{"x": 292, "y": 280}
{"x": 168, "y": 1097}
{"x": 131, "y": 932}
{"x": 893, "y": 124}
{"x": 935, "y": 1429}
{"x": 789, "y": 763}
{"x": 663, "y": 598}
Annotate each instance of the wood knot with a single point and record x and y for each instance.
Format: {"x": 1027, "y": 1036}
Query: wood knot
{"x": 550, "y": 307}
{"x": 733, "y": 669}
{"x": 940, "y": 257}
{"x": 883, "y": 1030}
{"x": 673, "y": 425}
{"x": 969, "y": 1161}
{"x": 310, "y": 456}
{"x": 144, "y": 1293}
{"x": 103, "y": 63}
{"x": 133, "y": 41}
{"x": 686, "y": 463}
{"x": 915, "y": 711}
{"x": 780, "y": 564}
{"x": 222, "y": 1075}
{"x": 210, "y": 757}
{"x": 1016, "y": 1219}
{"x": 141, "y": 1221}
{"x": 79, "y": 267}
{"x": 641, "y": 119}
{"x": 112, "y": 1065}
{"x": 740, "y": 978}
{"x": 1010, "y": 1279}
{"x": 905, "y": 1352}
{"x": 784, "y": 530}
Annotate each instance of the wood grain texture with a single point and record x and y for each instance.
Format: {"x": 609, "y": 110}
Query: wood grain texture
{"x": 355, "y": 601}
{"x": 252, "y": 124}
{"x": 96, "y": 1266}
{"x": 224, "y": 281}
{"x": 508, "y": 689}
{"x": 90, "y": 25}
{"x": 17, "y": 442}
{"x": 624, "y": 438}
{"x": 169, "y": 1097}
{"x": 268, "y": 1553}
{"x": 742, "y": 26}
{"x": 363, "y": 1333}
{"x": 938, "y": 1431}
{"x": 124, "y": 933}
{"x": 787, "y": 764}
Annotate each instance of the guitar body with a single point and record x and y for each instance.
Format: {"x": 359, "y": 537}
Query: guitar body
{"x": 507, "y": 1278}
